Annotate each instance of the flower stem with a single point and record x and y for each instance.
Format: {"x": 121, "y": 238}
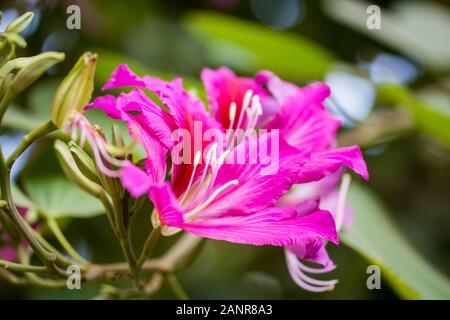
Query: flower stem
{"x": 7, "y": 265}
{"x": 54, "y": 227}
{"x": 149, "y": 246}
{"x": 131, "y": 260}
{"x": 176, "y": 288}
{"x": 4, "y": 104}
{"x": 31, "y": 137}
{"x": 46, "y": 257}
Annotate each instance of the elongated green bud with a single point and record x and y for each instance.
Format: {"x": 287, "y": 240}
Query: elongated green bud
{"x": 75, "y": 90}
{"x": 73, "y": 172}
{"x": 31, "y": 68}
{"x": 84, "y": 162}
{"x": 19, "y": 24}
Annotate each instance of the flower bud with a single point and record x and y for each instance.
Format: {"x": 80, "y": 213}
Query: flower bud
{"x": 72, "y": 171}
{"x": 84, "y": 162}
{"x": 19, "y": 24}
{"x": 75, "y": 90}
{"x": 30, "y": 69}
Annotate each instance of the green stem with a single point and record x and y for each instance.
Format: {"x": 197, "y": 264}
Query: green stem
{"x": 11, "y": 278}
{"x": 131, "y": 260}
{"x": 4, "y": 104}
{"x": 176, "y": 288}
{"x": 33, "y": 278}
{"x": 61, "y": 260}
{"x": 149, "y": 246}
{"x": 120, "y": 207}
{"x": 7, "y": 265}
{"x": 24, "y": 228}
{"x": 31, "y": 137}
{"x": 54, "y": 227}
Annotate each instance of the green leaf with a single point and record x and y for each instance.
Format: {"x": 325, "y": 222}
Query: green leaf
{"x": 376, "y": 238}
{"x": 433, "y": 120}
{"x": 418, "y": 29}
{"x": 57, "y": 197}
{"x": 289, "y": 55}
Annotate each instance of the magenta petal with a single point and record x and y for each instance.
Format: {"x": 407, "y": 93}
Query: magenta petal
{"x": 123, "y": 77}
{"x": 135, "y": 180}
{"x": 279, "y": 89}
{"x": 167, "y": 206}
{"x": 106, "y": 103}
{"x": 304, "y": 122}
{"x": 325, "y": 163}
{"x": 314, "y": 251}
{"x": 272, "y": 226}
{"x": 223, "y": 87}
{"x": 147, "y": 123}
{"x": 330, "y": 202}
{"x": 185, "y": 108}
{"x": 8, "y": 253}
{"x": 154, "y": 120}
{"x": 262, "y": 179}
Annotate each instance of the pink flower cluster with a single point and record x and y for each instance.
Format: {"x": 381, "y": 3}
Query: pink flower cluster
{"x": 8, "y": 246}
{"x": 294, "y": 206}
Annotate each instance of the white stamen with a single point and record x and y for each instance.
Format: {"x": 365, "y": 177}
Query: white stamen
{"x": 256, "y": 112}
{"x": 216, "y": 167}
{"x": 212, "y": 197}
{"x": 295, "y": 267}
{"x": 101, "y": 147}
{"x": 82, "y": 139}
{"x": 232, "y": 113}
{"x": 210, "y": 155}
{"x": 232, "y": 116}
{"x": 99, "y": 160}
{"x": 74, "y": 134}
{"x": 197, "y": 159}
{"x": 342, "y": 201}
{"x": 245, "y": 104}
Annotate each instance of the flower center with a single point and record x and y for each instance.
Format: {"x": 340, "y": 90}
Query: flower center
{"x": 248, "y": 117}
{"x": 201, "y": 193}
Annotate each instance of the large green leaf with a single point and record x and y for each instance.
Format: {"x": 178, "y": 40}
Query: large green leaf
{"x": 375, "y": 237}
{"x": 57, "y": 197}
{"x": 433, "y": 120}
{"x": 418, "y": 29}
{"x": 289, "y": 55}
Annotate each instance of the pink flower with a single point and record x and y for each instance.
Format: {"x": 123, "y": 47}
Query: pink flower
{"x": 306, "y": 125}
{"x": 8, "y": 247}
{"x": 297, "y": 112}
{"x": 210, "y": 196}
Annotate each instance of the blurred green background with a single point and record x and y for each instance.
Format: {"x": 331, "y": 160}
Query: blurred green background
{"x": 301, "y": 41}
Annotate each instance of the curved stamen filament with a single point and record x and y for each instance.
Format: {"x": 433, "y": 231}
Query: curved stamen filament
{"x": 342, "y": 201}
{"x": 296, "y": 269}
{"x": 251, "y": 109}
{"x": 97, "y": 144}
{"x": 254, "y": 113}
{"x": 197, "y": 159}
{"x": 245, "y": 104}
{"x": 211, "y": 198}
{"x": 216, "y": 167}
{"x": 210, "y": 159}
{"x": 232, "y": 117}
